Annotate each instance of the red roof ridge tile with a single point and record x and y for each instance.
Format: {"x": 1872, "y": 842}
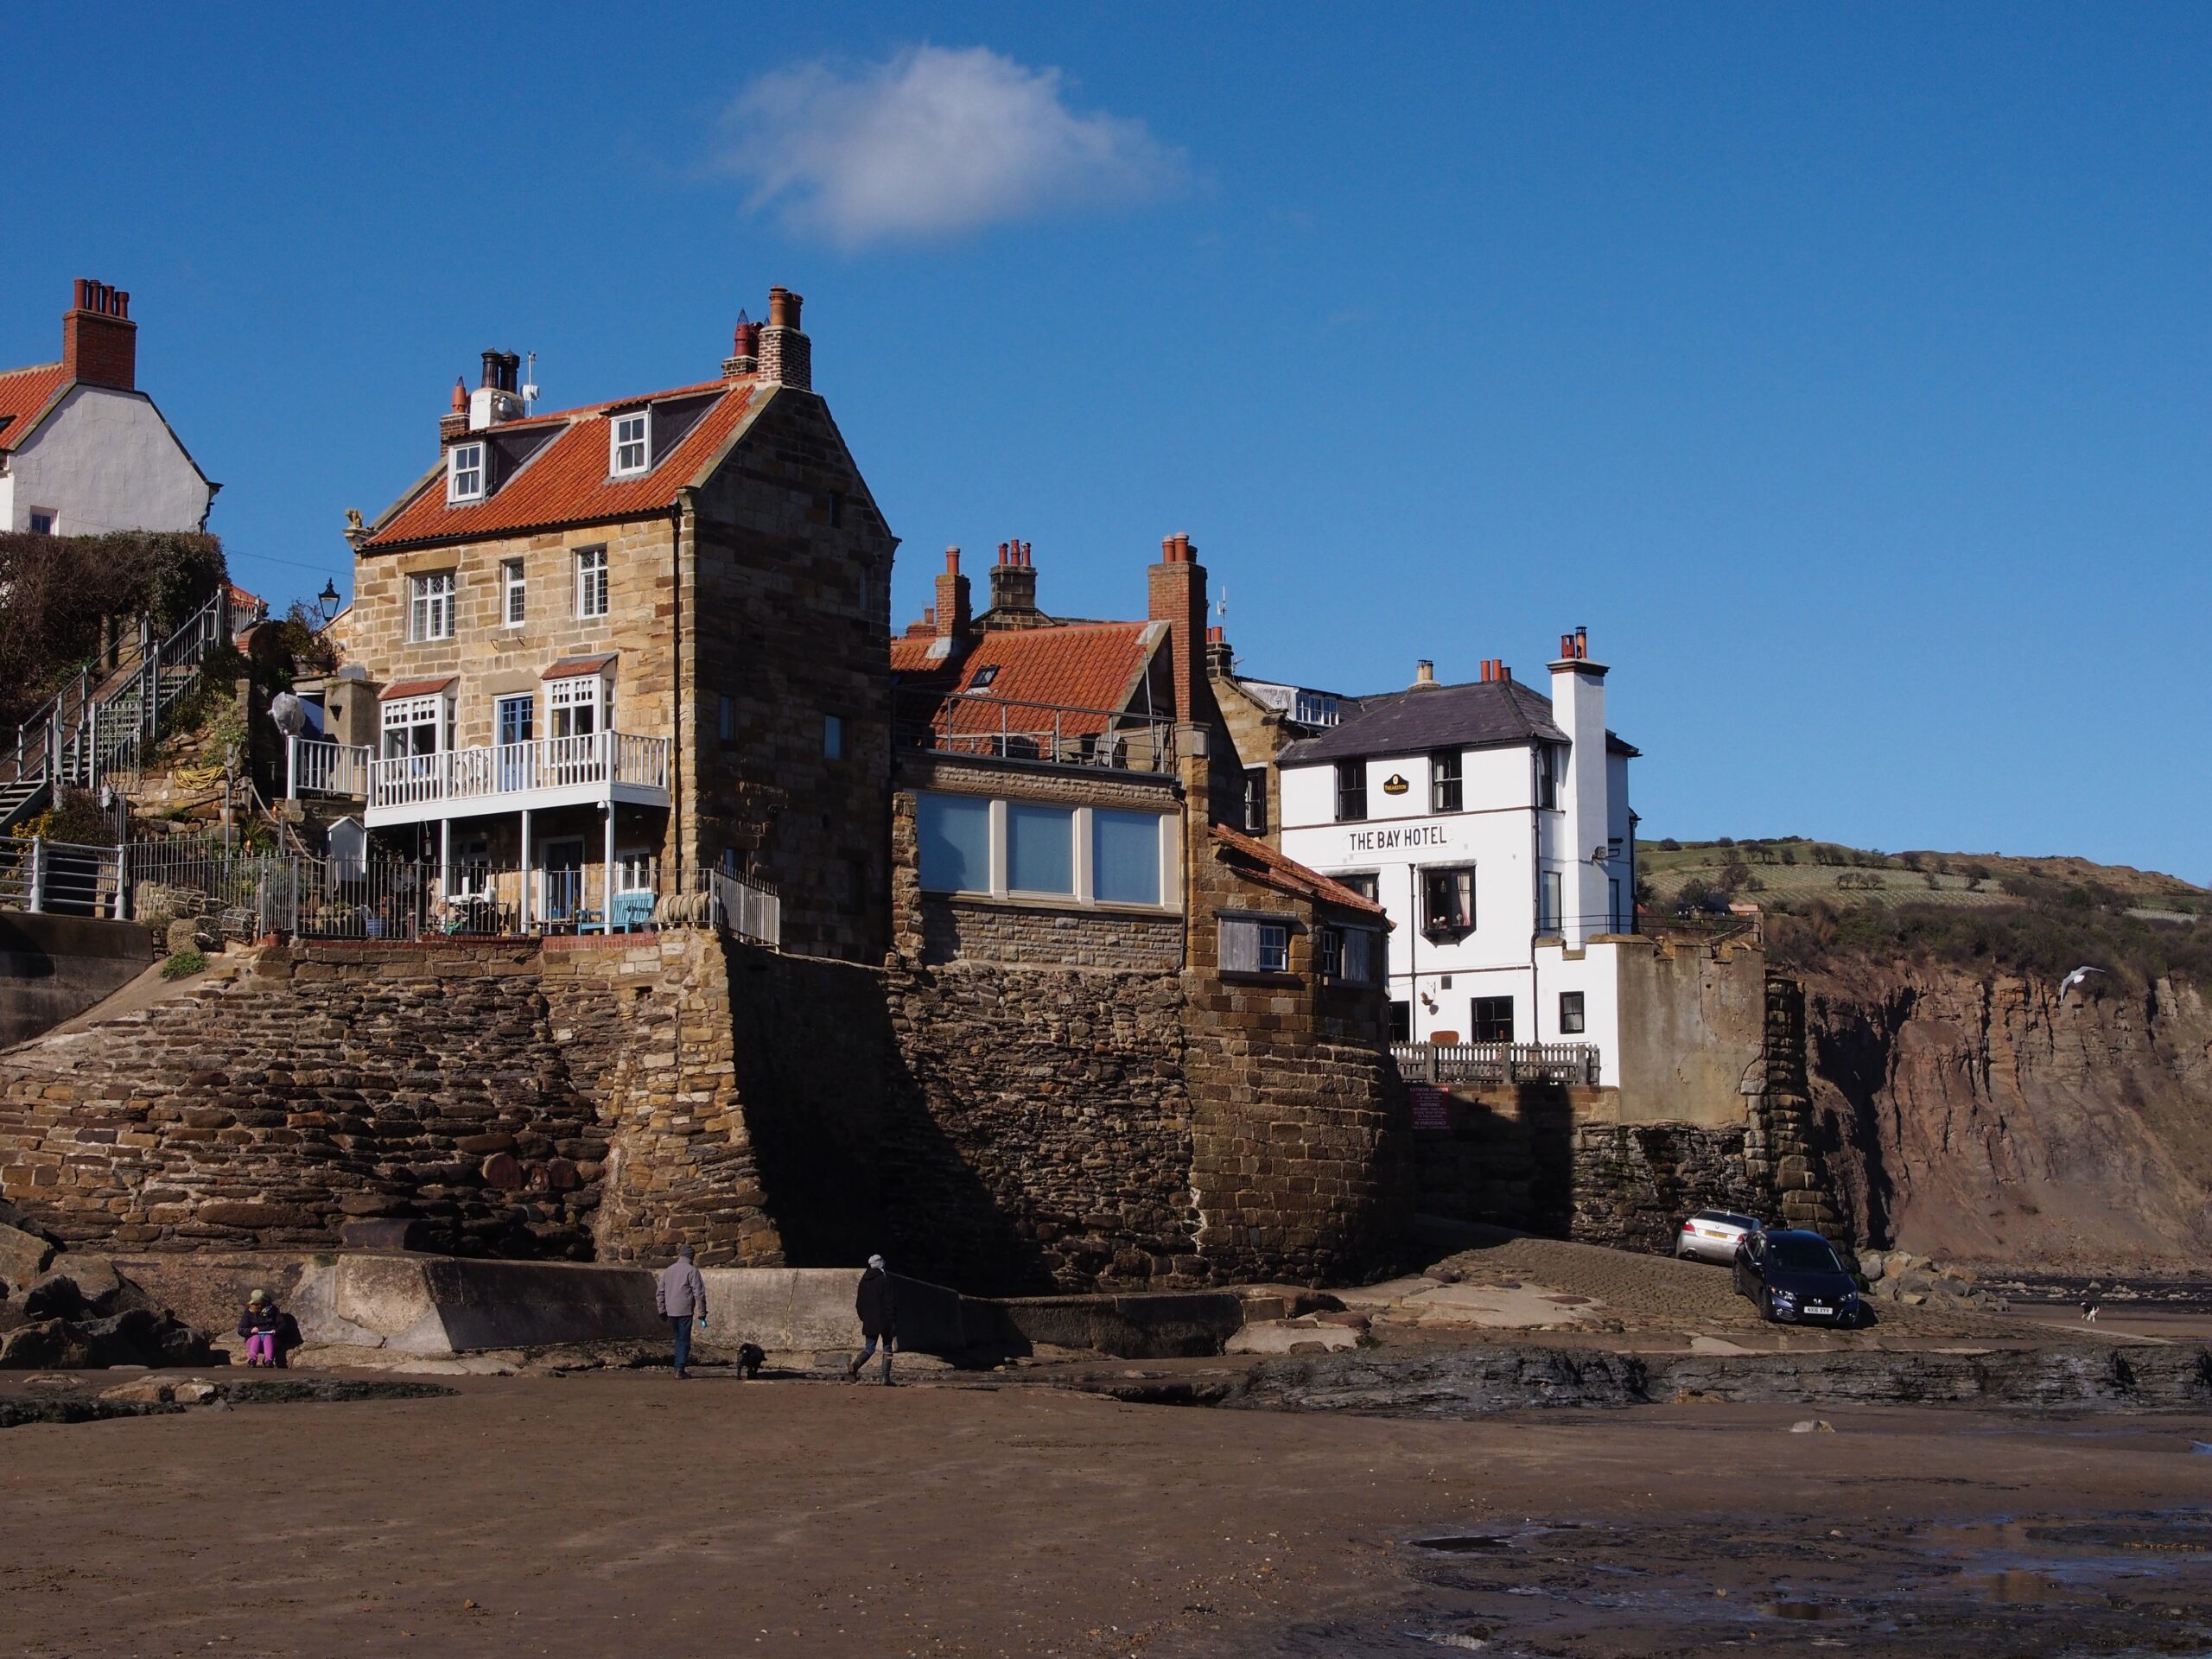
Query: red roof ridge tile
{"x": 1291, "y": 876}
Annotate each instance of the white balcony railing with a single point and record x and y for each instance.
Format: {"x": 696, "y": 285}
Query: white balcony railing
{"x": 597, "y": 760}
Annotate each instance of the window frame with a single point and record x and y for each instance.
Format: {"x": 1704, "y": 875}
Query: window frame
{"x": 514, "y": 592}
{"x": 412, "y": 715}
{"x": 726, "y": 718}
{"x": 1255, "y": 800}
{"x": 642, "y": 443}
{"x": 479, "y": 454}
{"x": 40, "y": 521}
{"x": 836, "y": 737}
{"x": 592, "y": 578}
{"x": 571, "y": 692}
{"x": 1551, "y": 904}
{"x": 1578, "y": 1015}
{"x": 1269, "y": 941}
{"x": 1461, "y": 919}
{"x": 1547, "y": 777}
{"x": 427, "y": 604}
{"x": 1351, "y": 791}
{"x": 1477, "y": 1026}
{"x": 1447, "y": 781}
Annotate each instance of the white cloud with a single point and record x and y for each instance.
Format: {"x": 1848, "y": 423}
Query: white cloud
{"x": 934, "y": 141}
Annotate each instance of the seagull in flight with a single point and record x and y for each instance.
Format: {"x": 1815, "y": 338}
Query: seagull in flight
{"x": 2073, "y": 979}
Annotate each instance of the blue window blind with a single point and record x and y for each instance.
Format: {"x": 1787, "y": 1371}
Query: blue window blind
{"x": 1125, "y": 858}
{"x": 956, "y": 837}
{"x": 1039, "y": 849}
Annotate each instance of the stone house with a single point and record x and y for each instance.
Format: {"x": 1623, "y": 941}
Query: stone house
{"x": 595, "y": 653}
{"x": 82, "y": 449}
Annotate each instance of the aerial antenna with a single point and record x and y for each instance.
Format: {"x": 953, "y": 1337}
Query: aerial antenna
{"x": 530, "y": 384}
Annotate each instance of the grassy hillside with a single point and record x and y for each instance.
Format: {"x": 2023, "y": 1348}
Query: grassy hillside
{"x": 2039, "y": 915}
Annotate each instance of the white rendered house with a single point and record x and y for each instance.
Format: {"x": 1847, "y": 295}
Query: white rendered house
{"x": 82, "y": 450}
{"x": 1492, "y": 823}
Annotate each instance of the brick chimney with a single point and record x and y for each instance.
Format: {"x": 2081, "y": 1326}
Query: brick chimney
{"x": 1221, "y": 661}
{"x": 1176, "y": 589}
{"x": 743, "y": 357}
{"x": 455, "y": 421}
{"x": 953, "y": 619}
{"x": 787, "y": 355}
{"x": 99, "y": 343}
{"x": 1013, "y": 588}
{"x": 1424, "y": 675}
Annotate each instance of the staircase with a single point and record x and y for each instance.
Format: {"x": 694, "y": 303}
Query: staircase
{"x": 108, "y": 718}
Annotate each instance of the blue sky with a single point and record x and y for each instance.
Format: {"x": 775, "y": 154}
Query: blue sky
{"x": 1846, "y": 370}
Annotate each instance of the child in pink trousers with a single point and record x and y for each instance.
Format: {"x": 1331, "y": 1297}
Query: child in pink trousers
{"x": 259, "y": 1325}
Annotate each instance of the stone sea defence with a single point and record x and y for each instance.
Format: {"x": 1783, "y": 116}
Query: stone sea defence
{"x": 999, "y": 1127}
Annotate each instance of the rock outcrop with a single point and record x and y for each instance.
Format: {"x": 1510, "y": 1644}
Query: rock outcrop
{"x": 1982, "y": 1118}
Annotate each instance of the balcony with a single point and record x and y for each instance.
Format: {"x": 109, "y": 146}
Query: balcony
{"x": 549, "y": 772}
{"x": 1479, "y": 1063}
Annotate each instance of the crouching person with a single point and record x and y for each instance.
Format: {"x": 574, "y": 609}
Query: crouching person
{"x": 260, "y": 1325}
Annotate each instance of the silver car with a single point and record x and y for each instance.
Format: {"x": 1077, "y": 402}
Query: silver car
{"x": 1713, "y": 1234}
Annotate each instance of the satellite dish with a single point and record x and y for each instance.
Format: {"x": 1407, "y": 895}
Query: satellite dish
{"x": 289, "y": 714}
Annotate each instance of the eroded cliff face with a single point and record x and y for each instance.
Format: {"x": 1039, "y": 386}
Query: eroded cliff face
{"x": 1981, "y": 1119}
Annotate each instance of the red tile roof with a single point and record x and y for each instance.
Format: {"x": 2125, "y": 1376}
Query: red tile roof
{"x": 570, "y": 668}
{"x": 1257, "y": 861}
{"x": 24, "y": 394}
{"x": 417, "y": 688}
{"x": 1095, "y": 666}
{"x": 910, "y": 654}
{"x": 567, "y": 482}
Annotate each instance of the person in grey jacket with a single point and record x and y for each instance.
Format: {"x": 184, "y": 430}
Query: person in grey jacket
{"x": 878, "y": 1308}
{"x": 681, "y": 1294}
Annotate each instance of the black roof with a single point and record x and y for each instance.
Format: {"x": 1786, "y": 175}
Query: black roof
{"x": 1480, "y": 714}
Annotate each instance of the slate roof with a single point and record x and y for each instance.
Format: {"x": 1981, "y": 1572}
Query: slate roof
{"x": 1092, "y": 665}
{"x": 566, "y": 481}
{"x": 24, "y": 394}
{"x": 1475, "y": 714}
{"x": 1257, "y": 861}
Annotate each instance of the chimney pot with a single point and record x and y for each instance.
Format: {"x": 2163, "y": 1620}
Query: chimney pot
{"x": 952, "y": 561}
{"x": 783, "y": 308}
{"x": 99, "y": 343}
{"x": 1424, "y": 672}
{"x": 459, "y": 397}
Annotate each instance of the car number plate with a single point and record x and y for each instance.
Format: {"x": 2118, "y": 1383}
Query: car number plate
{"x": 1818, "y": 1307}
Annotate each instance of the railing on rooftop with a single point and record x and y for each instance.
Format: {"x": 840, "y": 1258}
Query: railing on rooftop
{"x": 981, "y": 727}
{"x": 1497, "y": 1063}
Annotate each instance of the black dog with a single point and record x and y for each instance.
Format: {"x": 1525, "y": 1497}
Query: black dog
{"x": 750, "y": 1358}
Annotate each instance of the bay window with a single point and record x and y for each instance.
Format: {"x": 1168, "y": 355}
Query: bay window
{"x": 1038, "y": 850}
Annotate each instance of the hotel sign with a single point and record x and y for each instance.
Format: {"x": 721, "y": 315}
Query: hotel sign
{"x": 1363, "y": 841}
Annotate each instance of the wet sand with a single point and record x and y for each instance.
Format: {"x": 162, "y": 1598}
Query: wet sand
{"x": 603, "y": 1513}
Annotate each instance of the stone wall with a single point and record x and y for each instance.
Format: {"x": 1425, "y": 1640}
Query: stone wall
{"x": 1047, "y": 936}
{"x": 1575, "y": 1163}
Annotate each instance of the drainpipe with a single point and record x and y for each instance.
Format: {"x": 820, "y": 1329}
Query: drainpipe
{"x": 677, "y": 700}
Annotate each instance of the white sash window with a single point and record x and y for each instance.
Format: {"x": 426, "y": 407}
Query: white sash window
{"x": 580, "y": 705}
{"x": 415, "y": 725}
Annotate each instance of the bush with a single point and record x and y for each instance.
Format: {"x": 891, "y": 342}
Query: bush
{"x": 1790, "y": 854}
{"x": 183, "y": 964}
{"x": 1668, "y": 844}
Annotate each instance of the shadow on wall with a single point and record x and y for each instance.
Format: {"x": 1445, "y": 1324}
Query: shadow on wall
{"x": 1506, "y": 1157}
{"x": 851, "y": 1160}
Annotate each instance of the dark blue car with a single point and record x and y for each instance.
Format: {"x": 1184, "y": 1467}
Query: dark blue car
{"x": 1796, "y": 1278}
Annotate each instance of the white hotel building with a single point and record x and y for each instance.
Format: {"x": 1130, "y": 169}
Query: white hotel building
{"x": 1492, "y": 824}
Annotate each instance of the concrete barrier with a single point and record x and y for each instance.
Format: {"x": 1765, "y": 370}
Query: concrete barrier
{"x": 809, "y": 1310}
{"x": 54, "y": 968}
{"x": 451, "y": 1305}
{"x": 435, "y": 1305}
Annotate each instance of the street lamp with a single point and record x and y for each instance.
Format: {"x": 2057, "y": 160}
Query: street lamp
{"x": 326, "y": 601}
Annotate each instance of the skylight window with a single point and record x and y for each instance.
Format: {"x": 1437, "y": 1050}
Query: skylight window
{"x": 630, "y": 446}
{"x": 465, "y": 472}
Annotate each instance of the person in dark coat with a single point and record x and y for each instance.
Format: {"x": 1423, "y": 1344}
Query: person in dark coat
{"x": 681, "y": 1294}
{"x": 878, "y": 1307}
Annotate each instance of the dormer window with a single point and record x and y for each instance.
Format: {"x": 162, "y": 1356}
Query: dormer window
{"x": 465, "y": 472}
{"x": 629, "y": 444}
